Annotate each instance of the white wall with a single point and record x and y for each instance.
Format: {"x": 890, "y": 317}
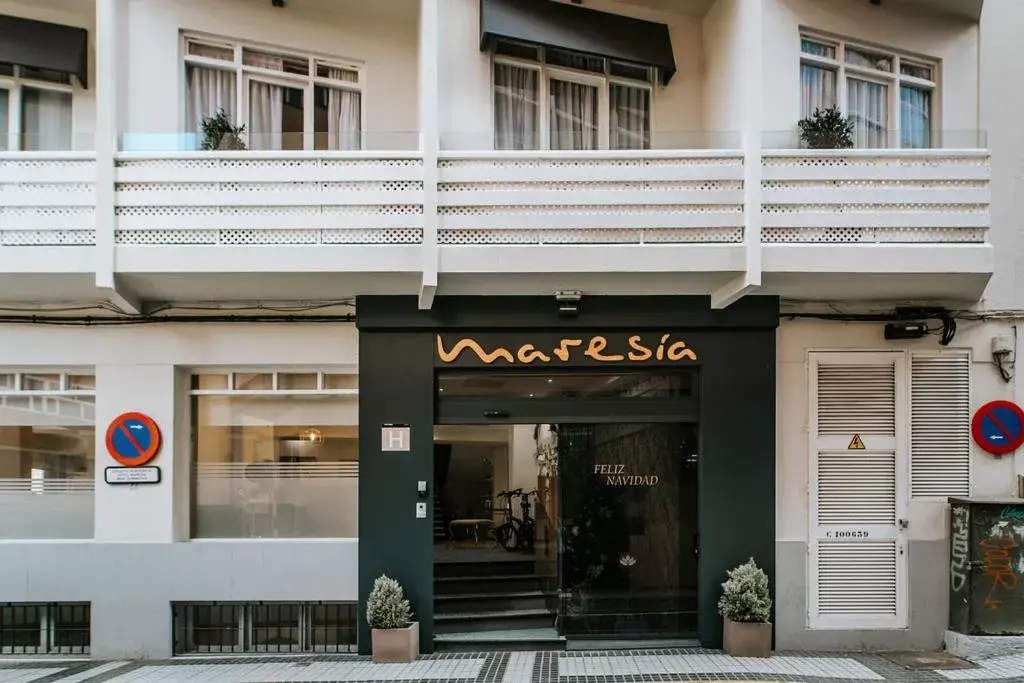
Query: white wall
{"x": 466, "y": 114}
{"x": 991, "y": 476}
{"x": 723, "y": 93}
{"x": 1000, "y": 116}
{"x": 82, "y": 15}
{"x": 954, "y": 42}
{"x": 387, "y": 47}
{"x": 144, "y": 368}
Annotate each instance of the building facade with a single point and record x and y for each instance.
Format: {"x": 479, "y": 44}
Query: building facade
{"x": 553, "y": 325}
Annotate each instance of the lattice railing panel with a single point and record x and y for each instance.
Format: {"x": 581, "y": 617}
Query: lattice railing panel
{"x": 590, "y": 198}
{"x": 913, "y": 196}
{"x": 252, "y": 199}
{"x": 47, "y": 200}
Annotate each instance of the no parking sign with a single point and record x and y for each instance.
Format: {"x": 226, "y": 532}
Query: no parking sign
{"x": 133, "y": 439}
{"x": 998, "y": 427}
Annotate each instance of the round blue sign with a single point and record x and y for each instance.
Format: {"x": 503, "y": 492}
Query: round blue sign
{"x": 133, "y": 439}
{"x": 998, "y": 427}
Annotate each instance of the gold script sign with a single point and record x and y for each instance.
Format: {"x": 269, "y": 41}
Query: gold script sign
{"x": 594, "y": 348}
{"x": 616, "y": 475}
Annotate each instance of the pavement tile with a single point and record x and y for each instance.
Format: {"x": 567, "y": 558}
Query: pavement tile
{"x": 634, "y": 666}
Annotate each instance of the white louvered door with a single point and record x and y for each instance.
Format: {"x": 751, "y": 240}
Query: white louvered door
{"x": 858, "y": 491}
{"x": 940, "y": 424}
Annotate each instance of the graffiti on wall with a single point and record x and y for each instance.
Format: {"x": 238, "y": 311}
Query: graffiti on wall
{"x": 959, "y": 550}
{"x": 998, "y": 568}
{"x": 999, "y": 557}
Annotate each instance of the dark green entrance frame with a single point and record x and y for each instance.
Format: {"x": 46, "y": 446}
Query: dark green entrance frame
{"x": 397, "y": 361}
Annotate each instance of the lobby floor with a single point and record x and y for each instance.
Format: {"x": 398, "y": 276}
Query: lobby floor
{"x": 663, "y": 666}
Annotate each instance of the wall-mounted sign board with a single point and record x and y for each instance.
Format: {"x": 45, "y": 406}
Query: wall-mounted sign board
{"x": 132, "y": 475}
{"x": 394, "y": 437}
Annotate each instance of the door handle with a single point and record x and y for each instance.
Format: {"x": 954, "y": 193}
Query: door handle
{"x": 904, "y": 523}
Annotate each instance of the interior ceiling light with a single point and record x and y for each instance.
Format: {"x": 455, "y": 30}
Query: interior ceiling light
{"x": 312, "y": 435}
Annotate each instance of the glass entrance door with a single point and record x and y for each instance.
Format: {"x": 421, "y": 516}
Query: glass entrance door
{"x": 615, "y": 461}
{"x": 628, "y": 533}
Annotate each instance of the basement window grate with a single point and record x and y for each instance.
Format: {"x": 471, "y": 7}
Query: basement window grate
{"x": 264, "y": 627}
{"x": 44, "y": 628}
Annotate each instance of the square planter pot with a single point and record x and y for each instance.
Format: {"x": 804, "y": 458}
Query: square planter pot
{"x": 396, "y": 645}
{"x": 748, "y": 639}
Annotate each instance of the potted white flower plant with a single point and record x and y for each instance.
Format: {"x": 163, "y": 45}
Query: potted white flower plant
{"x": 746, "y": 605}
{"x": 395, "y": 636}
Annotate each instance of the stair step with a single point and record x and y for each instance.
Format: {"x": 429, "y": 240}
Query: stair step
{"x": 506, "y": 614}
{"x": 545, "y": 639}
{"x": 472, "y": 603}
{"x": 493, "y": 585}
{"x": 460, "y": 622}
{"x": 487, "y": 596}
{"x": 496, "y": 577}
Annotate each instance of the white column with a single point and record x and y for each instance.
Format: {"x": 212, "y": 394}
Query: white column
{"x": 111, "y": 32}
{"x": 144, "y": 513}
{"x": 429, "y": 141}
{"x": 747, "y": 41}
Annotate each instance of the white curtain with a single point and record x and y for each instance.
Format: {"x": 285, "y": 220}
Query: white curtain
{"x": 630, "y": 117}
{"x": 266, "y": 116}
{"x": 344, "y": 113}
{"x": 516, "y": 107}
{"x": 45, "y": 120}
{"x": 573, "y": 112}
{"x": 208, "y": 91}
{"x": 868, "y": 105}
{"x": 915, "y": 117}
{"x": 817, "y": 89}
{"x": 266, "y": 105}
{"x": 5, "y": 100}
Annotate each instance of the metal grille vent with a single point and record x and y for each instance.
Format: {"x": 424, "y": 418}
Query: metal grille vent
{"x": 856, "y": 488}
{"x": 940, "y": 425}
{"x": 857, "y": 578}
{"x": 856, "y": 399}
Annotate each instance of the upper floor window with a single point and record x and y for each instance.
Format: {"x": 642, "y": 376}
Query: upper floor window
{"x": 35, "y": 109}
{"x": 889, "y": 96}
{"x": 286, "y": 101}
{"x": 546, "y": 98}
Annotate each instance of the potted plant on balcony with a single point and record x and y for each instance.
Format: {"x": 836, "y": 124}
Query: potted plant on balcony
{"x": 746, "y": 605}
{"x": 826, "y": 129}
{"x": 395, "y": 636}
{"x": 221, "y": 133}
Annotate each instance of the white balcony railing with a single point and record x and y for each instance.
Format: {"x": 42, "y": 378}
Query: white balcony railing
{"x": 618, "y": 197}
{"x": 875, "y": 196}
{"x": 254, "y": 198}
{"x": 47, "y": 198}
{"x": 355, "y": 213}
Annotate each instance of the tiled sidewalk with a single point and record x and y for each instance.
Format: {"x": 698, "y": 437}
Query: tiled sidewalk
{"x": 663, "y": 666}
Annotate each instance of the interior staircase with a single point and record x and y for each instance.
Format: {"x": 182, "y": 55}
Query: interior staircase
{"x": 440, "y": 520}
{"x": 500, "y": 602}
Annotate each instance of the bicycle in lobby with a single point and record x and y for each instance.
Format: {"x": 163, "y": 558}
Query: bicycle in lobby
{"x": 516, "y": 534}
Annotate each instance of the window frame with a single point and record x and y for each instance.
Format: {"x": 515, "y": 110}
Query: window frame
{"x": 13, "y": 85}
{"x": 245, "y": 73}
{"x": 602, "y": 81}
{"x": 894, "y": 80}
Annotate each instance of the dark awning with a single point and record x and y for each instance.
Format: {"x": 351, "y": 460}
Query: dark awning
{"x": 561, "y": 25}
{"x": 41, "y": 45}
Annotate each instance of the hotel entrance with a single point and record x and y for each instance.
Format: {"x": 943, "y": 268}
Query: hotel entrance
{"x": 566, "y": 506}
{"x": 565, "y": 482}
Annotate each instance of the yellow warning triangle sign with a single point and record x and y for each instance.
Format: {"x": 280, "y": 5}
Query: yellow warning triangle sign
{"x": 856, "y": 443}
